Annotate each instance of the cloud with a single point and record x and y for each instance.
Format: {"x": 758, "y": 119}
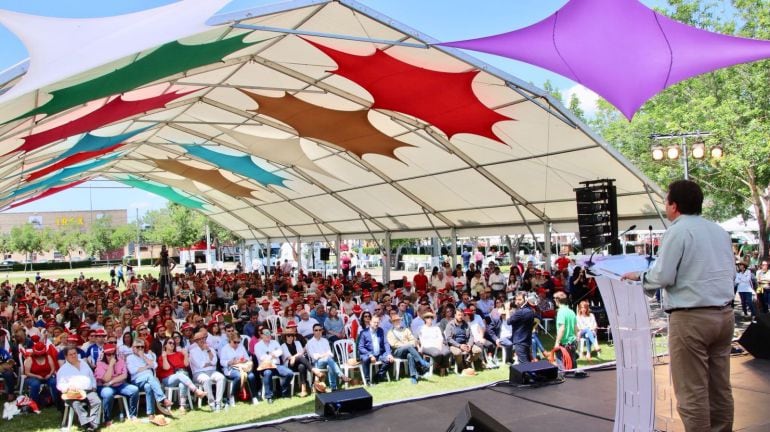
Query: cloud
{"x": 588, "y": 99}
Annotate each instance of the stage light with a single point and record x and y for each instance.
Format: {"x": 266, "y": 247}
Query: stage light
{"x": 672, "y": 152}
{"x": 657, "y": 153}
{"x": 717, "y": 152}
{"x": 698, "y": 150}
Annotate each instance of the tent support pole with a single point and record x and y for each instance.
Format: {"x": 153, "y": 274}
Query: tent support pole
{"x": 529, "y": 228}
{"x": 453, "y": 239}
{"x": 337, "y": 254}
{"x": 547, "y": 242}
{"x": 269, "y": 258}
{"x": 327, "y": 35}
{"x": 299, "y": 254}
{"x": 208, "y": 247}
{"x": 438, "y": 234}
{"x": 386, "y": 260}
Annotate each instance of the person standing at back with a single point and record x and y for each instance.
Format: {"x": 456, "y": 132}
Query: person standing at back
{"x": 695, "y": 271}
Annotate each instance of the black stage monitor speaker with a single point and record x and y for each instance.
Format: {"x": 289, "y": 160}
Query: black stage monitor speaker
{"x": 472, "y": 418}
{"x": 344, "y": 401}
{"x": 756, "y": 338}
{"x": 533, "y": 373}
{"x": 325, "y": 254}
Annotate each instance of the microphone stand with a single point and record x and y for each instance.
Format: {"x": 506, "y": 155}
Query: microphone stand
{"x": 650, "y": 259}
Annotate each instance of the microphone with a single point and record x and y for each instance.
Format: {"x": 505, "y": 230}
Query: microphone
{"x": 631, "y": 228}
{"x": 590, "y": 261}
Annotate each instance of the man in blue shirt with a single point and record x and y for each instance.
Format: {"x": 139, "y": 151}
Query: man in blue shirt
{"x": 374, "y": 347}
{"x": 695, "y": 271}
{"x": 522, "y": 322}
{"x": 7, "y": 365}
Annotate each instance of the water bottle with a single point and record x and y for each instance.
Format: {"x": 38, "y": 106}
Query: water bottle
{"x": 121, "y": 417}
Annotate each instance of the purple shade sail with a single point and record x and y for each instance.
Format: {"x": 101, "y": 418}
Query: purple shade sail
{"x": 620, "y": 49}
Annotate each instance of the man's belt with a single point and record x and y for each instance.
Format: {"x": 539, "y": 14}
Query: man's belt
{"x": 698, "y": 308}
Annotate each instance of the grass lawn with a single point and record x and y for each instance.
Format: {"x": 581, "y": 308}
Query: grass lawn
{"x": 200, "y": 420}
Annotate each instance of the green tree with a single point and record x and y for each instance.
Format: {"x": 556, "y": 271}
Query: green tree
{"x": 175, "y": 226}
{"x": 732, "y": 104}
{"x": 66, "y": 240}
{"x": 28, "y": 239}
{"x": 98, "y": 239}
{"x": 574, "y": 106}
{"x": 6, "y": 244}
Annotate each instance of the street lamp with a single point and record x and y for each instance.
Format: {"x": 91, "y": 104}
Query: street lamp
{"x": 674, "y": 151}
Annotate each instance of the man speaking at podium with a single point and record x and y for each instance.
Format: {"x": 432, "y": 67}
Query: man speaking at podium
{"x": 695, "y": 271}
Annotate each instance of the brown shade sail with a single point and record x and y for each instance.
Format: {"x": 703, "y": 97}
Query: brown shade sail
{"x": 211, "y": 178}
{"x": 349, "y": 130}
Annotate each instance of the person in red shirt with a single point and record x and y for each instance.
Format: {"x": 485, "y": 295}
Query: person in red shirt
{"x": 172, "y": 366}
{"x": 420, "y": 280}
{"x": 562, "y": 262}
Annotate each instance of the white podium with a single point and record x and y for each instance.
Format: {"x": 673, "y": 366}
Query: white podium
{"x": 628, "y": 312}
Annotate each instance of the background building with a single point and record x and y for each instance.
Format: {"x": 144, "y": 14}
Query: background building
{"x": 82, "y": 219}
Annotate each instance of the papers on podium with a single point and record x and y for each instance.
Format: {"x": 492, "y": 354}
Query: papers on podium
{"x": 628, "y": 311}
{"x": 616, "y": 266}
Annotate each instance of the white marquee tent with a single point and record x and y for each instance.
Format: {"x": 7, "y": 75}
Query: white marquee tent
{"x": 311, "y": 119}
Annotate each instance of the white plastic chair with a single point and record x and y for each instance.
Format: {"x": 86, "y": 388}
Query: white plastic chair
{"x": 273, "y": 322}
{"x": 171, "y": 391}
{"x": 344, "y": 350}
{"x": 178, "y": 324}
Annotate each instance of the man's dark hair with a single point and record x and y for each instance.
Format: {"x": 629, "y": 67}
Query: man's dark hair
{"x": 687, "y": 196}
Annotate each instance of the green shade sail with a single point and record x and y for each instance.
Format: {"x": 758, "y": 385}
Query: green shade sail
{"x": 163, "y": 191}
{"x": 167, "y": 60}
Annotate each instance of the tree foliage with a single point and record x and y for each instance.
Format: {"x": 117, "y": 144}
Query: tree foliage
{"x": 731, "y": 104}
{"x": 27, "y": 238}
{"x": 178, "y": 226}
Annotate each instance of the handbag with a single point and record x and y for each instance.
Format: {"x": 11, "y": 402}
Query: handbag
{"x": 244, "y": 369}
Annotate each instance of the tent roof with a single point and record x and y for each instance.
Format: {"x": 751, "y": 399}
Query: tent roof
{"x": 307, "y": 118}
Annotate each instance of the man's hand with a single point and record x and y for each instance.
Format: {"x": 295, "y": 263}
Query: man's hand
{"x": 391, "y": 359}
{"x": 372, "y": 358}
{"x": 632, "y": 276}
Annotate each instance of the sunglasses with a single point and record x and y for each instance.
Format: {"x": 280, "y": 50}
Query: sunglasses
{"x": 316, "y": 330}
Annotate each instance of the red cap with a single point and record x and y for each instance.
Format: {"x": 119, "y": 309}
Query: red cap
{"x": 99, "y": 332}
{"x": 38, "y": 348}
{"x": 291, "y": 324}
{"x": 357, "y": 309}
{"x": 265, "y": 302}
{"x": 468, "y": 311}
{"x": 110, "y": 348}
{"x": 35, "y": 338}
{"x": 187, "y": 326}
{"x": 158, "y": 327}
{"x": 73, "y": 338}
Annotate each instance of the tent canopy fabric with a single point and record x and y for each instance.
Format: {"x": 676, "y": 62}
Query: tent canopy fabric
{"x": 310, "y": 119}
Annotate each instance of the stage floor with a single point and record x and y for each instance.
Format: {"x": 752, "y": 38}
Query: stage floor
{"x": 579, "y": 404}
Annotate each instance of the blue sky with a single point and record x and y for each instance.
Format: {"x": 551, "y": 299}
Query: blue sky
{"x": 442, "y": 19}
